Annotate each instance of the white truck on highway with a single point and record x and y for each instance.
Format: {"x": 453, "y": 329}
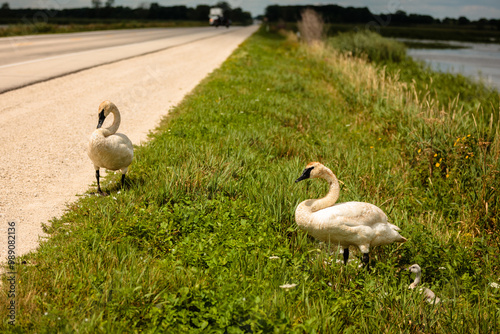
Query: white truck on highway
{"x": 217, "y": 18}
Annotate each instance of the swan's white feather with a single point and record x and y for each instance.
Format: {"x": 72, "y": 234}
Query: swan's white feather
{"x": 113, "y": 152}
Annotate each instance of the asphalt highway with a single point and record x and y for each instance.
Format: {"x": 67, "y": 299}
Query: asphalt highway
{"x": 25, "y": 60}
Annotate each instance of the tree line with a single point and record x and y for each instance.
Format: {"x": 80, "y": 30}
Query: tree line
{"x": 339, "y": 14}
{"x": 105, "y": 10}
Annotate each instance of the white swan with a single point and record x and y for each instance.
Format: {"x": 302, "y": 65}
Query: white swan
{"x": 108, "y": 149}
{"x": 429, "y": 295}
{"x": 352, "y": 223}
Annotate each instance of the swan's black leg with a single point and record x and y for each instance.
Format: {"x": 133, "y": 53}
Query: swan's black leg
{"x": 123, "y": 180}
{"x": 97, "y": 177}
{"x": 346, "y": 255}
{"x": 366, "y": 260}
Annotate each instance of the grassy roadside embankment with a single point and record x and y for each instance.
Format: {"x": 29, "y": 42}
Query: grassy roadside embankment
{"x": 203, "y": 236}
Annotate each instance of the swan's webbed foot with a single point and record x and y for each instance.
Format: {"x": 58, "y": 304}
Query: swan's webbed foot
{"x": 366, "y": 261}
{"x": 346, "y": 255}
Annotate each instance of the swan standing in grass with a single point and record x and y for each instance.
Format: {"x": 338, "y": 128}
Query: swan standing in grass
{"x": 430, "y": 296}
{"x": 108, "y": 149}
{"x": 352, "y": 223}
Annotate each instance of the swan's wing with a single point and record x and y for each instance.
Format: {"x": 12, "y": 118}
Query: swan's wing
{"x": 352, "y": 214}
{"x": 114, "y": 152}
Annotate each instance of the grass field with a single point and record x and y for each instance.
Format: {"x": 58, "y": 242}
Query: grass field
{"x": 203, "y": 235}
{"x": 77, "y": 26}
{"x": 425, "y": 32}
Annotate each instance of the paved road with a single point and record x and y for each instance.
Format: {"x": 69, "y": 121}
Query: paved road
{"x": 45, "y": 127}
{"x": 29, "y": 59}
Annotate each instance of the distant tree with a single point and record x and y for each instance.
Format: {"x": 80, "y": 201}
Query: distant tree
{"x": 154, "y": 10}
{"x": 449, "y": 21}
{"x": 96, "y": 3}
{"x": 224, "y": 5}
{"x": 110, "y": 3}
{"x": 462, "y": 20}
{"x": 200, "y": 13}
{"x": 5, "y": 6}
{"x": 481, "y": 23}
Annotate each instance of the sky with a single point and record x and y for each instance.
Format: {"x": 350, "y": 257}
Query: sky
{"x": 473, "y": 10}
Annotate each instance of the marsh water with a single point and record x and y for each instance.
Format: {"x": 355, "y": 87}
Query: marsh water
{"x": 476, "y": 60}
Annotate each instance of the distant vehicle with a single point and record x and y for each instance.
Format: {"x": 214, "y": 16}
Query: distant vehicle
{"x": 217, "y": 18}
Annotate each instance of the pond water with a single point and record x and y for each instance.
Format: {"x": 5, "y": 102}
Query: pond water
{"x": 477, "y": 60}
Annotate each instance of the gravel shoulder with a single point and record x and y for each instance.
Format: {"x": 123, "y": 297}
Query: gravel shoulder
{"x": 44, "y": 128}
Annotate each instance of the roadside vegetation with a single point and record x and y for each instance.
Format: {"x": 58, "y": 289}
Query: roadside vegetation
{"x": 91, "y": 25}
{"x": 105, "y": 16}
{"x": 203, "y": 238}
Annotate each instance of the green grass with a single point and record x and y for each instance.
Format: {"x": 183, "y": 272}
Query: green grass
{"x": 369, "y": 44}
{"x": 76, "y": 26}
{"x": 186, "y": 246}
{"x": 424, "y": 32}
{"x": 427, "y": 32}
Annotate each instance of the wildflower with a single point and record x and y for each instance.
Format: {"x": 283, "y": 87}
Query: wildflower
{"x": 437, "y": 164}
{"x": 447, "y": 175}
{"x": 273, "y": 257}
{"x": 442, "y": 268}
{"x": 494, "y": 285}
{"x": 467, "y": 157}
{"x": 371, "y": 146}
{"x": 288, "y": 286}
{"x": 468, "y": 135}
{"x": 435, "y": 155}
{"x": 440, "y": 159}
{"x": 380, "y": 139}
{"x": 419, "y": 150}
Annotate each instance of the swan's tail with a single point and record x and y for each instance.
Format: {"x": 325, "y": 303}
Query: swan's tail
{"x": 395, "y": 228}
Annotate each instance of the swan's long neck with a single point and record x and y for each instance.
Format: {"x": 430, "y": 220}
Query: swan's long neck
{"x": 116, "y": 124}
{"x": 333, "y": 193}
{"x": 417, "y": 279}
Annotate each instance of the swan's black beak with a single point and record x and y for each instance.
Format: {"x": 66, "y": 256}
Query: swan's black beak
{"x": 305, "y": 174}
{"x": 101, "y": 119}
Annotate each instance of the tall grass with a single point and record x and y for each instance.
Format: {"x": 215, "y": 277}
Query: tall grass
{"x": 311, "y": 26}
{"x": 369, "y": 44}
{"x": 203, "y": 236}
